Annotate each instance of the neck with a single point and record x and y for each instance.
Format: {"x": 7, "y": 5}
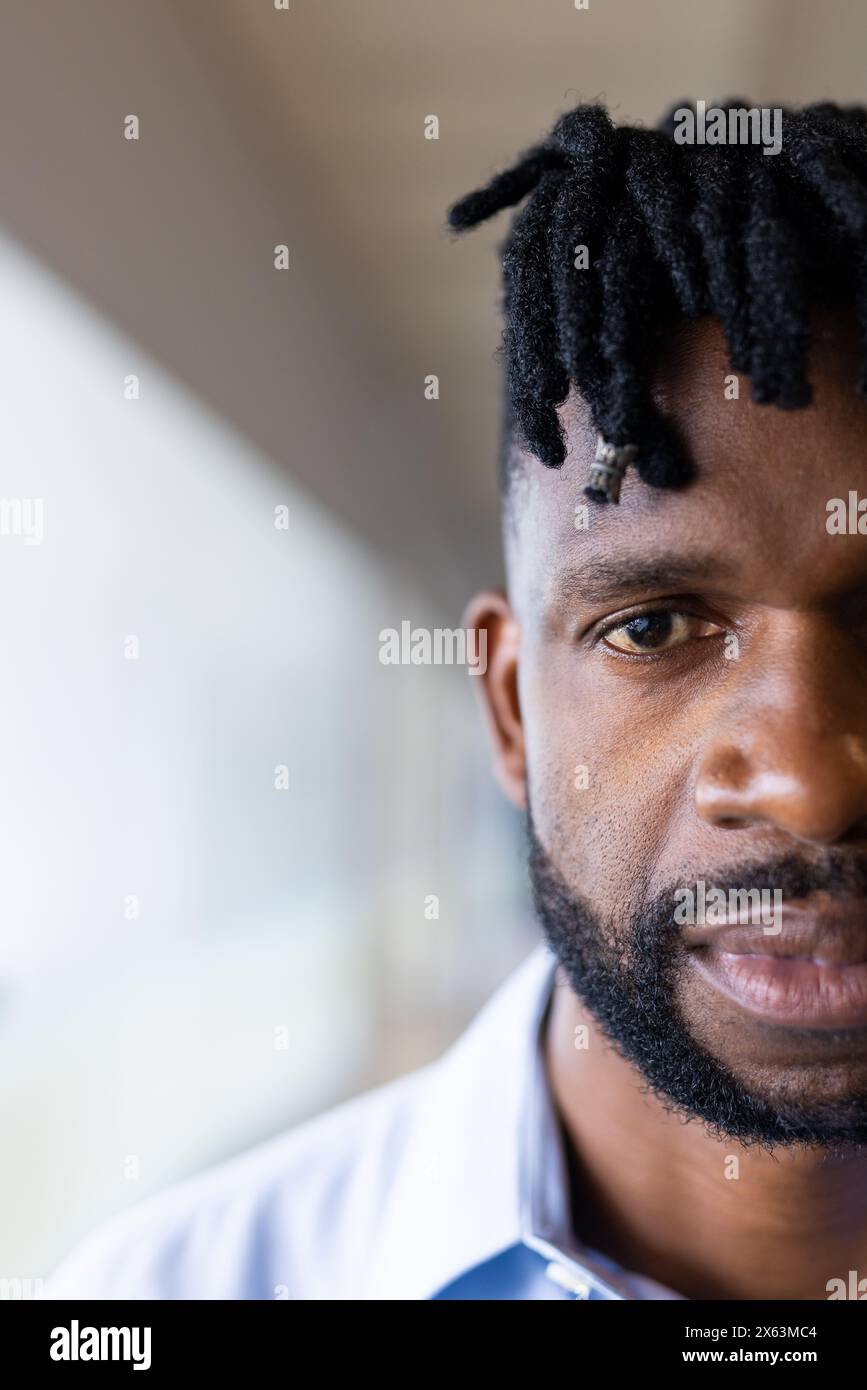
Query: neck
{"x": 707, "y": 1218}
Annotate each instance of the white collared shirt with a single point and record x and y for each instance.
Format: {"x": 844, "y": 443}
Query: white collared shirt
{"x": 447, "y": 1183}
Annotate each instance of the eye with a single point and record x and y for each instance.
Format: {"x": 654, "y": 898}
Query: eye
{"x": 658, "y": 632}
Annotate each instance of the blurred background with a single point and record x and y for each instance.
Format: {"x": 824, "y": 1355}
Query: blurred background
{"x": 223, "y": 819}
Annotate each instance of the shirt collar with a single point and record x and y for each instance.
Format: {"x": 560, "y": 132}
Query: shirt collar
{"x": 452, "y": 1200}
{"x": 547, "y": 1224}
{"x": 544, "y": 1189}
{"x": 481, "y": 1166}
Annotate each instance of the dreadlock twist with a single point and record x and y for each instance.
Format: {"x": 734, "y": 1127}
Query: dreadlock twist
{"x": 673, "y": 232}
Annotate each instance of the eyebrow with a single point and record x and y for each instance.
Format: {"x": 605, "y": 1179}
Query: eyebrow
{"x": 611, "y": 576}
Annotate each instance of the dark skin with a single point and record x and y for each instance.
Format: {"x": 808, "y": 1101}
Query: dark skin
{"x": 697, "y": 760}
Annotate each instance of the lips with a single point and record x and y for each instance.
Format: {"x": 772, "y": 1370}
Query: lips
{"x": 812, "y": 973}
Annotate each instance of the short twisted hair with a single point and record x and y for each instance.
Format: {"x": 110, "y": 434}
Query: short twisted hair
{"x": 673, "y": 232}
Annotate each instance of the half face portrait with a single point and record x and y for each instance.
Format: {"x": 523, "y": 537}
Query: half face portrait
{"x": 435, "y": 545}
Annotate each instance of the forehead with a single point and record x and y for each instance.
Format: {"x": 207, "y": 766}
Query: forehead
{"x": 758, "y": 505}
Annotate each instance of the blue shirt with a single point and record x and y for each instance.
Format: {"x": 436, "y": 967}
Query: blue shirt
{"x": 449, "y": 1183}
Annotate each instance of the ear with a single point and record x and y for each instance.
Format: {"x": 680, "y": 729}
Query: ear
{"x": 490, "y": 616}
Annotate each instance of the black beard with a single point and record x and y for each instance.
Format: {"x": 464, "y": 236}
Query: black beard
{"x": 629, "y": 986}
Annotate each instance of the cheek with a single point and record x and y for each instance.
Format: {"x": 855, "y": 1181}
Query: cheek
{"x": 608, "y": 770}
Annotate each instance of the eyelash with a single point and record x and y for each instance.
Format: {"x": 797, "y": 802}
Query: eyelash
{"x": 614, "y": 624}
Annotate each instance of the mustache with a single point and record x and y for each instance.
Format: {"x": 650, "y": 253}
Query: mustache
{"x": 838, "y": 873}
{"x": 624, "y": 966}
{"x": 653, "y": 930}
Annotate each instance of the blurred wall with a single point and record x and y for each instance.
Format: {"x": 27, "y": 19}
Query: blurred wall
{"x": 222, "y": 815}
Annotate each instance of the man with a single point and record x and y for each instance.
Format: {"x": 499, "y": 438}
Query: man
{"x": 669, "y": 1099}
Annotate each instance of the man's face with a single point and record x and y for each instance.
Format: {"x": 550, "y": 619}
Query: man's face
{"x": 679, "y": 690}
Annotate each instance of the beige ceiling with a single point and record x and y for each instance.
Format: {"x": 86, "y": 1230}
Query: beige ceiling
{"x": 307, "y": 126}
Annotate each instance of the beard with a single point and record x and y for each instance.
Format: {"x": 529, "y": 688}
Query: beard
{"x": 628, "y": 980}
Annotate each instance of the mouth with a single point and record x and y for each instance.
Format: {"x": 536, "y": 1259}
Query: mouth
{"x": 808, "y": 969}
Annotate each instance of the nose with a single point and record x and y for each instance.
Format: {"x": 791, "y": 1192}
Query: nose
{"x": 789, "y": 750}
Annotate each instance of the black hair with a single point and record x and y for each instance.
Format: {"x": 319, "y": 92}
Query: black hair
{"x": 674, "y": 232}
